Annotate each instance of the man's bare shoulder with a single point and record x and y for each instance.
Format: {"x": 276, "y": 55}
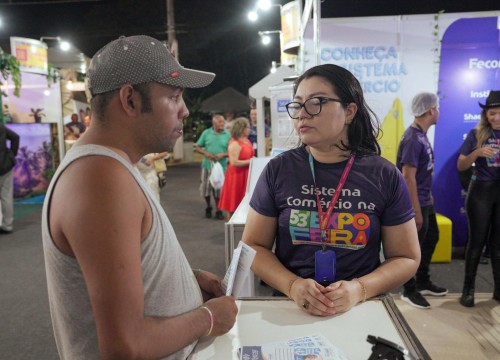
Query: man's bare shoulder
{"x": 94, "y": 193}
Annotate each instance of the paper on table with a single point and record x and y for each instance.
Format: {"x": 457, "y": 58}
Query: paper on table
{"x": 237, "y": 278}
{"x": 314, "y": 346}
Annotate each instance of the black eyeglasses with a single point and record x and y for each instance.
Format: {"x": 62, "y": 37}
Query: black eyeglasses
{"x": 312, "y": 106}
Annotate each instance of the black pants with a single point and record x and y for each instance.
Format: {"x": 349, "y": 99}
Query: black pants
{"x": 483, "y": 215}
{"x": 428, "y": 237}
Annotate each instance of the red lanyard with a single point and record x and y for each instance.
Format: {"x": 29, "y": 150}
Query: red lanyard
{"x": 324, "y": 218}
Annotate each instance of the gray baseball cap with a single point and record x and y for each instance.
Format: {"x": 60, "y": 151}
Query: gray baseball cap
{"x": 136, "y": 60}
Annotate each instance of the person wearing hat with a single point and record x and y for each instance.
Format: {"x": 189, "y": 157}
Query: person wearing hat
{"x": 121, "y": 286}
{"x": 415, "y": 159}
{"x": 481, "y": 147}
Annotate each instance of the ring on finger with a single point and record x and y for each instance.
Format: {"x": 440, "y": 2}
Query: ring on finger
{"x": 305, "y": 305}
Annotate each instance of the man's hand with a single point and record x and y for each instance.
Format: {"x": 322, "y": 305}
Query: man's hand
{"x": 209, "y": 156}
{"x": 210, "y": 285}
{"x": 219, "y": 156}
{"x": 224, "y": 312}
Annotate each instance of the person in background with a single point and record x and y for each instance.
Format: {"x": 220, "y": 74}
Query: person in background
{"x": 82, "y": 115}
{"x": 76, "y": 127}
{"x": 9, "y": 146}
{"x": 241, "y": 153}
{"x": 86, "y": 121}
{"x": 415, "y": 159}
{"x": 253, "y": 132}
{"x": 229, "y": 120}
{"x": 121, "y": 287}
{"x": 327, "y": 260}
{"x": 149, "y": 172}
{"x": 482, "y": 148}
{"x": 213, "y": 144}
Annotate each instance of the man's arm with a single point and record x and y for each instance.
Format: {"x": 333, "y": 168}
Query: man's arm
{"x": 203, "y": 151}
{"x": 409, "y": 174}
{"x": 108, "y": 249}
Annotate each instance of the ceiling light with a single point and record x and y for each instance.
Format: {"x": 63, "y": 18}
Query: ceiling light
{"x": 252, "y": 16}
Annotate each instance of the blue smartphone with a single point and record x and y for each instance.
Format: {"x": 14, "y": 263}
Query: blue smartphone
{"x": 324, "y": 265}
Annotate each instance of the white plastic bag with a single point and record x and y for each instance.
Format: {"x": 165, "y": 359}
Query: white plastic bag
{"x": 217, "y": 176}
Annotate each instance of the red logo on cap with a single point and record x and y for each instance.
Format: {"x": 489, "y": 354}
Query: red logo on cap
{"x": 174, "y": 74}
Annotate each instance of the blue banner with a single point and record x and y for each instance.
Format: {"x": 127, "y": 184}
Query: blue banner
{"x": 469, "y": 68}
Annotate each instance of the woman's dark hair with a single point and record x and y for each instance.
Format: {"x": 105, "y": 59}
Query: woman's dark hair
{"x": 363, "y": 131}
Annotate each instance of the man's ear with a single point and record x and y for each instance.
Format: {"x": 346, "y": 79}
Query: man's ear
{"x": 129, "y": 100}
{"x": 350, "y": 112}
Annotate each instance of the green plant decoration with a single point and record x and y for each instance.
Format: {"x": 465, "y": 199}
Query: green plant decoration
{"x": 435, "y": 34}
{"x": 10, "y": 66}
{"x": 52, "y": 74}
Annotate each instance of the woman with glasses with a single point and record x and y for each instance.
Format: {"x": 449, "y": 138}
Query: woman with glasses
{"x": 329, "y": 205}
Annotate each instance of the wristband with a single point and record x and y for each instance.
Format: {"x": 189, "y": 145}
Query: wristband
{"x": 363, "y": 288}
{"x": 290, "y": 284}
{"x": 211, "y": 319}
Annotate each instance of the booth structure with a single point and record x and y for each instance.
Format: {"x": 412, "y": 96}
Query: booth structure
{"x": 234, "y": 227}
{"x": 37, "y": 114}
{"x": 261, "y": 91}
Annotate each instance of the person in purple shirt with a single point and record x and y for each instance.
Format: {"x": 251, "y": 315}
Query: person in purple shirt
{"x": 289, "y": 208}
{"x": 415, "y": 159}
{"x": 482, "y": 148}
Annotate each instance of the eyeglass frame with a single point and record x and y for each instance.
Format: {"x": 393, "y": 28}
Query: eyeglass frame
{"x": 322, "y": 100}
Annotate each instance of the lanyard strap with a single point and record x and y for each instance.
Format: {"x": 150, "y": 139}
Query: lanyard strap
{"x": 324, "y": 218}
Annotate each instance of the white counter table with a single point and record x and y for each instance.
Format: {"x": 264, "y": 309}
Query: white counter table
{"x": 265, "y": 320}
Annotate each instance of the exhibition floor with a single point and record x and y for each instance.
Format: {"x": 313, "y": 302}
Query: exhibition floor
{"x": 25, "y": 327}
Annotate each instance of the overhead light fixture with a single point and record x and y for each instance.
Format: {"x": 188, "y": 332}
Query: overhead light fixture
{"x": 261, "y": 5}
{"x": 63, "y": 45}
{"x": 252, "y": 16}
{"x": 264, "y": 4}
{"x": 266, "y": 39}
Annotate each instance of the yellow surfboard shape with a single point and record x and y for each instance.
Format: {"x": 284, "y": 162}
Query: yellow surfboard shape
{"x": 392, "y": 130}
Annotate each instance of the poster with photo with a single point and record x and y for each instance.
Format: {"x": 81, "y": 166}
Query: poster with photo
{"x": 34, "y": 167}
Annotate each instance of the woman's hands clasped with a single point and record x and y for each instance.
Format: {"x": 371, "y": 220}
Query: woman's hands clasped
{"x": 319, "y": 300}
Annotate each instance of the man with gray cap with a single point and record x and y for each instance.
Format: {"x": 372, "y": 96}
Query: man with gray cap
{"x": 119, "y": 284}
{"x": 415, "y": 159}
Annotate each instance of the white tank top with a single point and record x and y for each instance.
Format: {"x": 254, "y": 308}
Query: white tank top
{"x": 170, "y": 287}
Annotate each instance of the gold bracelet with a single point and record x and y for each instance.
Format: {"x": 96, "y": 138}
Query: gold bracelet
{"x": 290, "y": 284}
{"x": 197, "y": 272}
{"x": 363, "y": 288}
{"x": 211, "y": 319}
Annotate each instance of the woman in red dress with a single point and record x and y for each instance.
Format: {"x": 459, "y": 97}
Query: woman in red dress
{"x": 240, "y": 152}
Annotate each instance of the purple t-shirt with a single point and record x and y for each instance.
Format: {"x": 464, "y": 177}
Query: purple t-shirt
{"x": 374, "y": 195}
{"x": 253, "y": 135}
{"x": 486, "y": 169}
{"x": 416, "y": 150}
